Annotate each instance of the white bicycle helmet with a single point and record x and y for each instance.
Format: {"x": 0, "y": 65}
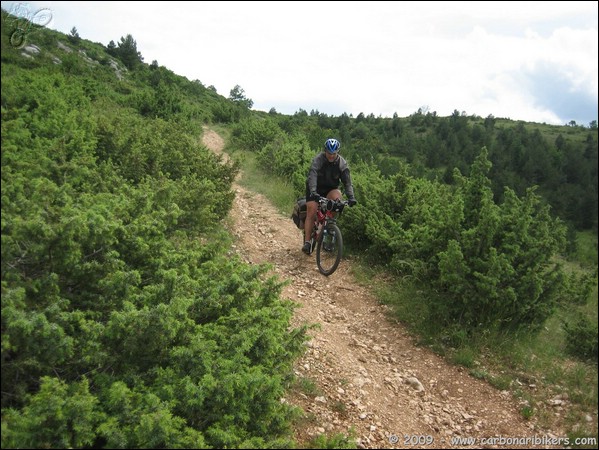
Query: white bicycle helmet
{"x": 332, "y": 145}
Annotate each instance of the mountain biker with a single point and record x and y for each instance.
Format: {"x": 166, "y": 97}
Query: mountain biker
{"x": 327, "y": 169}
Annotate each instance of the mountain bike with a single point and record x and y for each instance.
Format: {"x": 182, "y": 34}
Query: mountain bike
{"x": 326, "y": 235}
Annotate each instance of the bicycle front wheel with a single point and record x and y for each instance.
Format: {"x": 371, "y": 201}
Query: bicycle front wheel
{"x": 329, "y": 249}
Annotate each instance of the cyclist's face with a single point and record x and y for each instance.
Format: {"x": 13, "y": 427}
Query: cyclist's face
{"x": 331, "y": 156}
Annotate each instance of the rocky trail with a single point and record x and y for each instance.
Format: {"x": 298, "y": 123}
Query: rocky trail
{"x": 368, "y": 376}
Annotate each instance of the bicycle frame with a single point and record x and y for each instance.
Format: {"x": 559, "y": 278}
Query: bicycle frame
{"x": 325, "y": 214}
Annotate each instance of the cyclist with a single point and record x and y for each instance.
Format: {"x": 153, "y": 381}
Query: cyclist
{"x": 327, "y": 169}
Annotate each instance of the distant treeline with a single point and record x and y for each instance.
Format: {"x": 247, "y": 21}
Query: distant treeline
{"x": 560, "y": 160}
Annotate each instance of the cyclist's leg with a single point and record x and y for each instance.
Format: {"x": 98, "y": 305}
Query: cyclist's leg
{"x": 334, "y": 194}
{"x": 311, "y": 207}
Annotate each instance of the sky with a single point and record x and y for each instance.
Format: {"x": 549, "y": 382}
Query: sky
{"x": 531, "y": 61}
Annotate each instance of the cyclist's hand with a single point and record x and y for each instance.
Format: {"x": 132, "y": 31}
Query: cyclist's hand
{"x": 314, "y": 196}
{"x": 352, "y": 202}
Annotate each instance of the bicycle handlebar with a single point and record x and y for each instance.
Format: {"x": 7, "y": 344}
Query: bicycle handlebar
{"x": 326, "y": 204}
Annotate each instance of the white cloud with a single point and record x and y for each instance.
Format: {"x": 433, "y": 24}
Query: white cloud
{"x": 373, "y": 57}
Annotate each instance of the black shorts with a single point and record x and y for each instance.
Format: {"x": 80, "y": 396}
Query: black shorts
{"x": 321, "y": 192}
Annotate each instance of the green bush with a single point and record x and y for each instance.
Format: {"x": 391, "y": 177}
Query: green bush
{"x": 581, "y": 337}
{"x": 126, "y": 323}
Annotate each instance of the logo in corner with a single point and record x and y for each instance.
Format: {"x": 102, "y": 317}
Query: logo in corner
{"x": 24, "y": 21}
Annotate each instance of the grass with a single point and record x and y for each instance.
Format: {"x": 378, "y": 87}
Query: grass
{"x": 338, "y": 440}
{"x": 307, "y": 386}
{"x": 586, "y": 249}
{"x": 464, "y": 356}
{"x": 280, "y": 195}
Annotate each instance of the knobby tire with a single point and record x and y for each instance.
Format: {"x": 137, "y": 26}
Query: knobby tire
{"x": 324, "y": 257}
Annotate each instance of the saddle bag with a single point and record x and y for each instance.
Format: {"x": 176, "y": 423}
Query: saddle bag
{"x": 299, "y": 213}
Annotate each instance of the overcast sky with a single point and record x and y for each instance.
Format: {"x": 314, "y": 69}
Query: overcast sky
{"x": 532, "y": 61}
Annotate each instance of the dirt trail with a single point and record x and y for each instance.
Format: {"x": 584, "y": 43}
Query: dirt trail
{"x": 368, "y": 374}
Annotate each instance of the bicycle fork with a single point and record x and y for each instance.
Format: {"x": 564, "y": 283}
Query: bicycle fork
{"x": 320, "y": 228}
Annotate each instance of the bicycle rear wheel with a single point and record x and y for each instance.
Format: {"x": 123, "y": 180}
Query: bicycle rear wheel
{"x": 329, "y": 249}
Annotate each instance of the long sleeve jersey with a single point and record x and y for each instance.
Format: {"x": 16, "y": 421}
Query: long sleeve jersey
{"x": 325, "y": 176}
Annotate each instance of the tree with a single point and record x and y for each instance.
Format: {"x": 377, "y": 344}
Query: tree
{"x": 74, "y": 37}
{"x": 237, "y": 94}
{"x": 111, "y": 48}
{"x": 489, "y": 122}
{"x": 127, "y": 52}
{"x": 500, "y": 270}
